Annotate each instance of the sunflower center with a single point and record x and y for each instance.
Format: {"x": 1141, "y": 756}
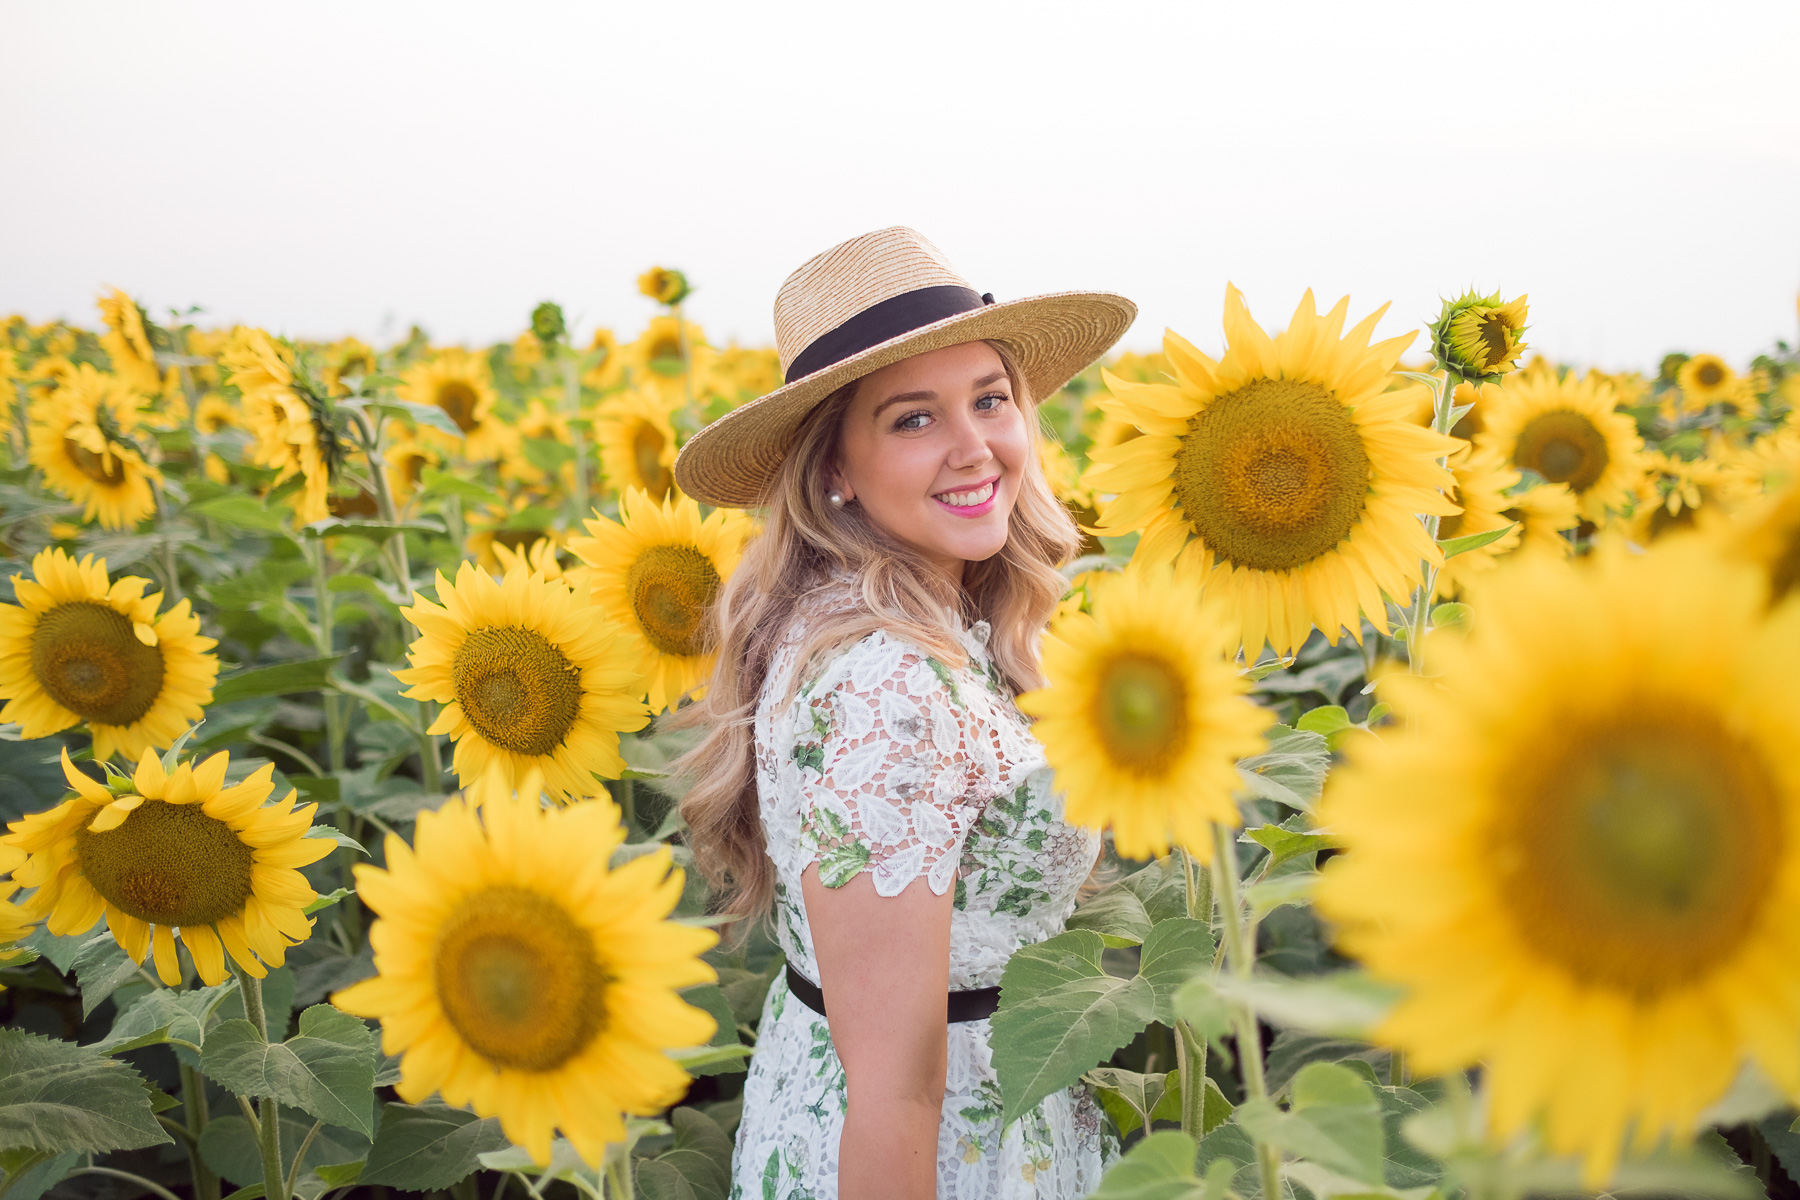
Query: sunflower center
{"x": 1272, "y": 475}
{"x": 87, "y": 658}
{"x": 647, "y": 443}
{"x": 1563, "y": 447}
{"x": 518, "y": 978}
{"x": 1638, "y": 857}
{"x": 108, "y": 469}
{"x": 1709, "y": 375}
{"x": 169, "y": 864}
{"x": 671, "y": 588}
{"x": 1140, "y": 710}
{"x": 517, "y": 689}
{"x": 458, "y": 399}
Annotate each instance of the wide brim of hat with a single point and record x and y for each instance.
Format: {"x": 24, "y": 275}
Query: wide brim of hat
{"x": 732, "y": 462}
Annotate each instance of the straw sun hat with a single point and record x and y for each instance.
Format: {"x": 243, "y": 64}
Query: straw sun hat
{"x": 870, "y": 302}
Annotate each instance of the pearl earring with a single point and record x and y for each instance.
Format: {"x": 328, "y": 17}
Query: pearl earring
{"x": 837, "y": 499}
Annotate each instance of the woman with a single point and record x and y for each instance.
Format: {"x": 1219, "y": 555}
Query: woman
{"x": 865, "y": 775}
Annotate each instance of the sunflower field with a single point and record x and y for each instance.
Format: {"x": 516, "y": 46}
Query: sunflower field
{"x": 1440, "y": 711}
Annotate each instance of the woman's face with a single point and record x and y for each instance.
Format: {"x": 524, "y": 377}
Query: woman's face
{"x": 933, "y": 448}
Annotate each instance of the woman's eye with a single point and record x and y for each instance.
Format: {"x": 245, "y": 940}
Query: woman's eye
{"x": 990, "y": 402}
{"x": 913, "y": 421}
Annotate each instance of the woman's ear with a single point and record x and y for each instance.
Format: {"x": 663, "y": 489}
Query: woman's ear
{"x": 836, "y": 484}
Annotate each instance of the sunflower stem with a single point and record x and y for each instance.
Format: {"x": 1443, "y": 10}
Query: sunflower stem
{"x": 618, "y": 1178}
{"x": 577, "y": 443}
{"x": 194, "y": 1106}
{"x": 1240, "y": 955}
{"x": 1419, "y": 620}
{"x": 293, "y": 1176}
{"x": 326, "y": 640}
{"x": 172, "y": 586}
{"x": 268, "y": 1120}
{"x": 1192, "y": 1049}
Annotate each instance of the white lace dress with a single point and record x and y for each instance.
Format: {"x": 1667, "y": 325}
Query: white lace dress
{"x": 893, "y": 763}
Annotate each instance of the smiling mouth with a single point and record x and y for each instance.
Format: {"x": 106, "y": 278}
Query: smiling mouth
{"x": 972, "y": 497}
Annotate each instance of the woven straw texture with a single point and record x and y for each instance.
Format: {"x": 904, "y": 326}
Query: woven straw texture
{"x": 731, "y": 462}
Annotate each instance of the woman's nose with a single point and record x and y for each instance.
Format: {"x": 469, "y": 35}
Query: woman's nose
{"x": 969, "y": 447}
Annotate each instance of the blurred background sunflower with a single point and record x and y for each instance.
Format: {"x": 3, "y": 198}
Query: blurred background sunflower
{"x": 81, "y": 439}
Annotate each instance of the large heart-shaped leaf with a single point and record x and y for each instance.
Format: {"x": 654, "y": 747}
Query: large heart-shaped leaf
{"x": 57, "y": 1096}
{"x": 327, "y": 1069}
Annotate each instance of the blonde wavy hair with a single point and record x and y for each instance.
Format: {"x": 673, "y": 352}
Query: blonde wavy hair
{"x": 804, "y": 544}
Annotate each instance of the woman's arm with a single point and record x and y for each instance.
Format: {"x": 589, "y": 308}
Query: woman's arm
{"x": 884, "y": 965}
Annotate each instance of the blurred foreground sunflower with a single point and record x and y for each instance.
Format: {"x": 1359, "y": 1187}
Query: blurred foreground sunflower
{"x": 78, "y": 649}
{"x": 1768, "y": 535}
{"x": 637, "y": 442}
{"x": 1569, "y": 431}
{"x": 655, "y": 573}
{"x": 159, "y": 853}
{"x": 1144, "y": 717}
{"x": 1283, "y": 472}
{"x": 1583, "y": 861}
{"x": 528, "y": 679}
{"x": 518, "y": 974}
{"x": 81, "y": 440}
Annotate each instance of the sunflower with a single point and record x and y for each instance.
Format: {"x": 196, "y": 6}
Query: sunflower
{"x": 1477, "y": 336}
{"x": 1581, "y": 863}
{"x": 513, "y": 525}
{"x": 74, "y": 649}
{"x": 637, "y": 441}
{"x": 655, "y": 576}
{"x": 528, "y": 679}
{"x": 1772, "y": 460}
{"x": 1546, "y": 514}
{"x": 127, "y": 343}
{"x": 407, "y": 457}
{"x": 736, "y": 374}
{"x": 607, "y": 366}
{"x": 1676, "y": 492}
{"x": 538, "y": 558}
{"x": 288, "y": 433}
{"x": 655, "y": 359}
{"x": 350, "y": 359}
{"x": 517, "y": 974}
{"x": 664, "y": 285}
{"x": 15, "y": 922}
{"x": 1568, "y": 431}
{"x": 1769, "y": 536}
{"x": 1298, "y": 479}
{"x": 1482, "y": 481}
{"x": 1706, "y": 380}
{"x": 81, "y": 440}
{"x": 459, "y": 382}
{"x": 1144, "y": 717}
{"x": 161, "y": 852}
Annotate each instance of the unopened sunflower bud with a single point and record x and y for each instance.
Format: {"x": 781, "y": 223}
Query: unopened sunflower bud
{"x": 663, "y": 285}
{"x": 547, "y": 324}
{"x": 1477, "y": 337}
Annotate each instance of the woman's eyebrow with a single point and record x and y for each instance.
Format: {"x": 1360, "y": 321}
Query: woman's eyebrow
{"x": 927, "y": 394}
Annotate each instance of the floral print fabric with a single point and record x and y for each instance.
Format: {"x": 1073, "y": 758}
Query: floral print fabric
{"x": 893, "y": 763}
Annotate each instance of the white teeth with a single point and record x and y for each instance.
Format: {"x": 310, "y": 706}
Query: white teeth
{"x": 967, "y": 499}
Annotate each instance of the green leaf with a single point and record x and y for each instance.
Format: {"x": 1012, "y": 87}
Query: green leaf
{"x": 167, "y": 1013}
{"x": 426, "y": 1147}
{"x": 1447, "y": 616}
{"x": 57, "y": 1096}
{"x": 698, "y": 1167}
{"x": 1291, "y": 771}
{"x": 326, "y": 901}
{"x": 374, "y": 531}
{"x": 693, "y": 1059}
{"x": 384, "y": 592}
{"x": 1325, "y": 720}
{"x": 1284, "y": 844}
{"x": 1161, "y": 887}
{"x": 339, "y": 836}
{"x": 321, "y": 789}
{"x": 1130, "y": 1097}
{"x": 1116, "y": 914}
{"x": 1174, "y": 953}
{"x": 1345, "y": 1004}
{"x": 327, "y": 1069}
{"x": 707, "y": 996}
{"x": 245, "y": 512}
{"x": 1267, "y": 895}
{"x": 443, "y": 483}
{"x": 282, "y": 679}
{"x": 1294, "y": 1048}
{"x": 1335, "y": 1122}
{"x": 423, "y": 414}
{"x": 547, "y": 454}
{"x": 1161, "y": 1167}
{"x": 101, "y": 965}
{"x": 1474, "y": 541}
{"x": 1060, "y": 1015}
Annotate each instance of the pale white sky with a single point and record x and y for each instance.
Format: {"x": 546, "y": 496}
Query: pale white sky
{"x": 331, "y": 168}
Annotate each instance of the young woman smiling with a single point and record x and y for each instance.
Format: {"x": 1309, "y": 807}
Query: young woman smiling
{"x": 864, "y": 777}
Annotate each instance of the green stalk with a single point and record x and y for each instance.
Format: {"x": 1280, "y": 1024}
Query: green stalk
{"x": 326, "y": 639}
{"x": 429, "y": 763}
{"x": 172, "y": 596}
{"x": 268, "y": 1132}
{"x": 1419, "y": 620}
{"x": 1190, "y": 1047}
{"x": 1240, "y": 956}
{"x": 618, "y": 1177}
{"x": 572, "y": 403}
{"x": 193, "y": 1099}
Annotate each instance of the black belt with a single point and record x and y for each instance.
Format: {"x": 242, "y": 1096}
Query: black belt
{"x": 974, "y": 1004}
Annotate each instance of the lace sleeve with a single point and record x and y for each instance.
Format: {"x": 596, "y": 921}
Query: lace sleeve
{"x": 884, "y": 776}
